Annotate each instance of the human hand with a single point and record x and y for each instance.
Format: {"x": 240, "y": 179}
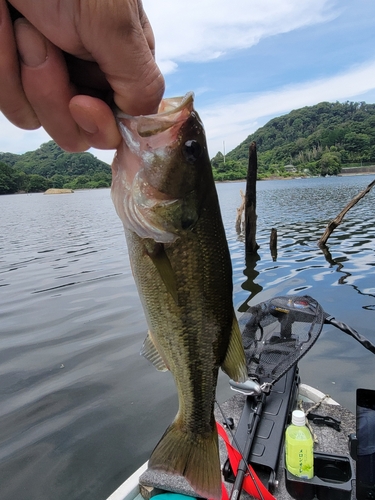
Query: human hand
{"x": 64, "y": 63}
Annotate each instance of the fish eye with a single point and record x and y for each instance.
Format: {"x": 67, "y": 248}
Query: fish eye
{"x": 192, "y": 150}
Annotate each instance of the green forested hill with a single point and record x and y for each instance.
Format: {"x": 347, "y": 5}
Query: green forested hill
{"x": 318, "y": 139}
{"x": 50, "y": 166}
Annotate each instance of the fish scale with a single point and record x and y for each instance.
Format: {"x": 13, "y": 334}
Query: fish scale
{"x": 164, "y": 193}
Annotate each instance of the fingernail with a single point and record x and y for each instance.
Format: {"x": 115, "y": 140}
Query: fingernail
{"x": 83, "y": 119}
{"x": 31, "y": 44}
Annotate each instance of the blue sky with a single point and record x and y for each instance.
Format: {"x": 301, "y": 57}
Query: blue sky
{"x": 248, "y": 61}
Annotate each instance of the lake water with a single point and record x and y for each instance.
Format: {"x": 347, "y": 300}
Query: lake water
{"x": 80, "y": 409}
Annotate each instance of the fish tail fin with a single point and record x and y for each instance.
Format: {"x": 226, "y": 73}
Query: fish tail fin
{"x": 192, "y": 456}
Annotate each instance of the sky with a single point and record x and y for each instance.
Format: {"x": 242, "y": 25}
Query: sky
{"x": 248, "y": 61}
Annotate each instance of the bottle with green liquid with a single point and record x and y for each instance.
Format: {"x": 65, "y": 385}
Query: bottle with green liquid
{"x": 299, "y": 447}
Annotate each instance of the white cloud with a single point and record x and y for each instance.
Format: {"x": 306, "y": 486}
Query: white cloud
{"x": 204, "y": 30}
{"x": 103, "y": 154}
{"x": 235, "y": 117}
{"x": 201, "y": 30}
{"x": 16, "y": 140}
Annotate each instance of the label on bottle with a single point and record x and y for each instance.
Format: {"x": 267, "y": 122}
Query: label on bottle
{"x": 299, "y": 452}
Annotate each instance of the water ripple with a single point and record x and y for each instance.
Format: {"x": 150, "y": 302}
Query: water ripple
{"x": 80, "y": 409}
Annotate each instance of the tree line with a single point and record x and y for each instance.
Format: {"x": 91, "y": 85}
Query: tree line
{"x": 314, "y": 140}
{"x": 51, "y": 167}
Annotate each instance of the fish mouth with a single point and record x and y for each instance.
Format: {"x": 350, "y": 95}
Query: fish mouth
{"x": 172, "y": 112}
{"x": 168, "y": 105}
{"x": 172, "y": 104}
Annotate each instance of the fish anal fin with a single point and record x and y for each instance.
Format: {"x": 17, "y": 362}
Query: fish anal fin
{"x": 151, "y": 353}
{"x": 234, "y": 364}
{"x": 192, "y": 456}
{"x": 163, "y": 265}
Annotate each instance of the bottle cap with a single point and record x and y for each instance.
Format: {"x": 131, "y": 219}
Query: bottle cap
{"x": 298, "y": 418}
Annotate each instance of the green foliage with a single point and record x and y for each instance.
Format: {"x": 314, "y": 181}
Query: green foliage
{"x": 318, "y": 139}
{"x": 50, "y": 166}
{"x": 37, "y": 183}
{"x": 58, "y": 180}
{"x": 8, "y": 179}
{"x": 307, "y": 139}
{"x": 9, "y": 158}
{"x": 356, "y": 142}
{"x": 329, "y": 163}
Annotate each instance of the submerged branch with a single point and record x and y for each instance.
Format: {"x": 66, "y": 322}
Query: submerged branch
{"x": 335, "y": 222}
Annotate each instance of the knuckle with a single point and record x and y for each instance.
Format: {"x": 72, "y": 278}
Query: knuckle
{"x": 21, "y": 116}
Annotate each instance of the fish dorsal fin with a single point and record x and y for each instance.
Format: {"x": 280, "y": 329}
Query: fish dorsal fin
{"x": 234, "y": 364}
{"x": 150, "y": 352}
{"x": 164, "y": 267}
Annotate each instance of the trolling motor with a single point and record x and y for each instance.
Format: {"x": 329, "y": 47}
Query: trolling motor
{"x": 276, "y": 334}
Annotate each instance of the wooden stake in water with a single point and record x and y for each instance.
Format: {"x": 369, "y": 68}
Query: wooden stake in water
{"x": 250, "y": 201}
{"x": 273, "y": 244}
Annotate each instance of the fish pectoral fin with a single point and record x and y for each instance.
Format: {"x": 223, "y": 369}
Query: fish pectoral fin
{"x": 196, "y": 457}
{"x": 164, "y": 268}
{"x": 150, "y": 352}
{"x": 234, "y": 364}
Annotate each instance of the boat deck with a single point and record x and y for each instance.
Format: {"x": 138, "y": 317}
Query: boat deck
{"x": 329, "y": 440}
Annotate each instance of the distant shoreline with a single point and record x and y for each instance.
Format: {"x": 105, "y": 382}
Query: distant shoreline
{"x": 280, "y": 178}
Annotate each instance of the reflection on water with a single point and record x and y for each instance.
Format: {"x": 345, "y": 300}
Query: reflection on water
{"x": 251, "y": 284}
{"x": 80, "y": 409}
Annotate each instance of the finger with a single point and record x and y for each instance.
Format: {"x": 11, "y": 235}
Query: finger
{"x": 46, "y": 84}
{"x": 116, "y": 35}
{"x": 126, "y": 58}
{"x": 97, "y": 121}
{"x": 147, "y": 29}
{"x": 13, "y": 102}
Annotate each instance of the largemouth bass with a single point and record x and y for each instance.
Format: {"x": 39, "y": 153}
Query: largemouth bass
{"x": 164, "y": 193}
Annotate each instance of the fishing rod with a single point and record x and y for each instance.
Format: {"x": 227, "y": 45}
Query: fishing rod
{"x": 243, "y": 465}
